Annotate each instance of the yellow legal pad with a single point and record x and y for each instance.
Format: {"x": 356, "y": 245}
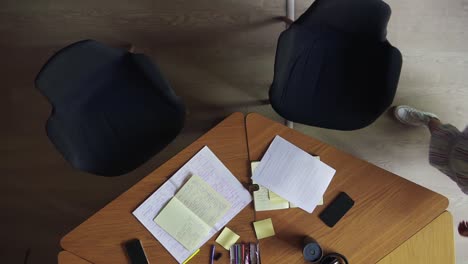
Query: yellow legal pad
{"x": 275, "y": 198}
{"x": 227, "y": 238}
{"x": 264, "y": 228}
{"x": 192, "y": 212}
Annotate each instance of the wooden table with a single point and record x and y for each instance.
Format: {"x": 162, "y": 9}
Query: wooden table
{"x": 99, "y": 239}
{"x": 67, "y": 257}
{"x": 388, "y": 211}
{"x": 433, "y": 244}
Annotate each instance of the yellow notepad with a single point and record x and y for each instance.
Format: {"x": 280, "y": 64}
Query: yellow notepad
{"x": 275, "y": 198}
{"x": 227, "y": 238}
{"x": 264, "y": 228}
{"x": 192, "y": 212}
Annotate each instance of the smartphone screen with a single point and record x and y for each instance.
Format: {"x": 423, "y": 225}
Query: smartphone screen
{"x": 135, "y": 252}
{"x": 337, "y": 209}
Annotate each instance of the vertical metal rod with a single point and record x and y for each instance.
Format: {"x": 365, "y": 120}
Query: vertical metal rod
{"x": 290, "y": 10}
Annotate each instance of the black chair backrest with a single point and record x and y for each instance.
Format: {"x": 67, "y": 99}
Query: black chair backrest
{"x": 111, "y": 110}
{"x": 363, "y": 17}
{"x": 334, "y": 67}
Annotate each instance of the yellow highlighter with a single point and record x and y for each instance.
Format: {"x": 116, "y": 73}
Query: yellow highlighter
{"x": 191, "y": 256}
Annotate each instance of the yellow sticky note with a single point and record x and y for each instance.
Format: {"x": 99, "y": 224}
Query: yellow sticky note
{"x": 191, "y": 256}
{"x": 275, "y": 198}
{"x": 227, "y": 238}
{"x": 264, "y": 228}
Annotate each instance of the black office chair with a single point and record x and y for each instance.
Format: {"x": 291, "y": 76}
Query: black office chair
{"x": 112, "y": 109}
{"x": 334, "y": 67}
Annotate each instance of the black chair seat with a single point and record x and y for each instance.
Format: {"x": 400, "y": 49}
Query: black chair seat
{"x": 112, "y": 110}
{"x": 334, "y": 78}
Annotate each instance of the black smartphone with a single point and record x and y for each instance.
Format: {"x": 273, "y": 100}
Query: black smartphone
{"x": 337, "y": 209}
{"x": 135, "y": 252}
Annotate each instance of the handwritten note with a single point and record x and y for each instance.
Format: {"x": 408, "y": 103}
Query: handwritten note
{"x": 193, "y": 211}
{"x": 204, "y": 201}
{"x": 182, "y": 224}
{"x": 293, "y": 174}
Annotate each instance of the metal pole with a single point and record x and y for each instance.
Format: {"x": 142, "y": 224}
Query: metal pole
{"x": 290, "y": 9}
{"x": 290, "y": 14}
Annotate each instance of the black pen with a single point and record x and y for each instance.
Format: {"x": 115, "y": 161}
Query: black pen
{"x": 212, "y": 254}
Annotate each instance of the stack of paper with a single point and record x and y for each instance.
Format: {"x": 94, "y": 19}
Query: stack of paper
{"x": 266, "y": 200}
{"x": 261, "y": 198}
{"x": 213, "y": 172}
{"x": 293, "y": 174}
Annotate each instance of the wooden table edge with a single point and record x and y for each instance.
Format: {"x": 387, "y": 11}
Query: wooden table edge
{"x": 62, "y": 242}
{"x": 446, "y": 212}
{"x": 65, "y": 257}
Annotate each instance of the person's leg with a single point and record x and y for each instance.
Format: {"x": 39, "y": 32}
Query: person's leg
{"x": 412, "y": 116}
{"x": 433, "y": 124}
{"x": 442, "y": 136}
{"x": 447, "y": 152}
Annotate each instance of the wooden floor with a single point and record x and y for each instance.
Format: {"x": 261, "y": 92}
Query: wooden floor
{"x": 218, "y": 55}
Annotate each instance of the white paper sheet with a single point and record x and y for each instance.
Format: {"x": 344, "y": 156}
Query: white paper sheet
{"x": 261, "y": 201}
{"x": 293, "y": 174}
{"x": 206, "y": 165}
